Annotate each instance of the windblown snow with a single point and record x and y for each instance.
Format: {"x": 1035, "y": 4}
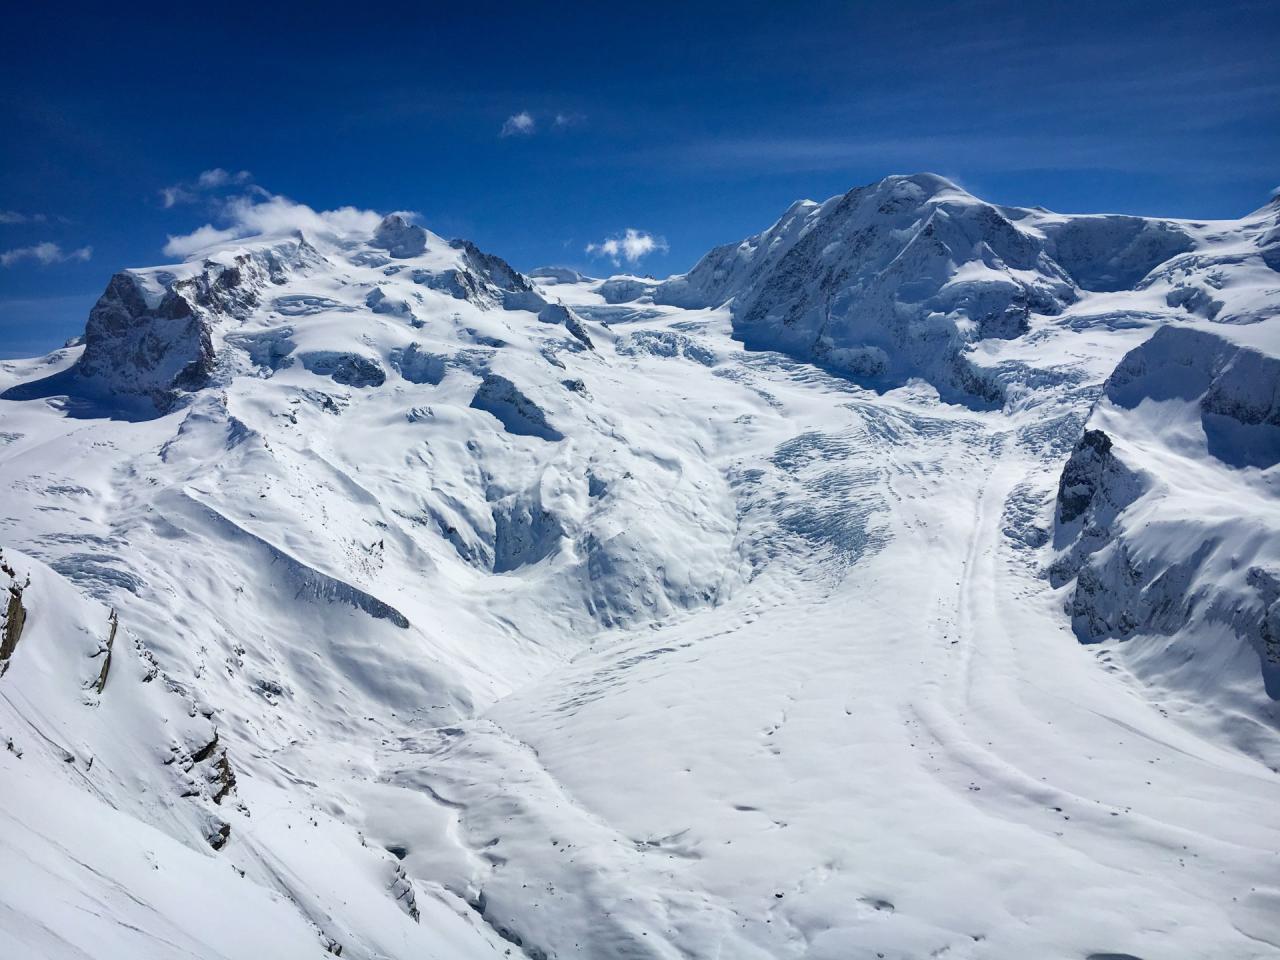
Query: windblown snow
{"x": 901, "y": 582}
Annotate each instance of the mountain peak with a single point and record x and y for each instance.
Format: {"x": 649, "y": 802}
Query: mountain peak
{"x": 931, "y": 183}
{"x": 399, "y": 237}
{"x": 919, "y": 188}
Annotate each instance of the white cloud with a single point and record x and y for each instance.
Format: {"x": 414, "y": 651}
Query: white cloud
{"x": 208, "y": 181}
{"x": 44, "y": 254}
{"x": 13, "y": 216}
{"x": 519, "y": 124}
{"x": 198, "y": 239}
{"x": 632, "y": 246}
{"x": 249, "y": 215}
{"x": 525, "y": 124}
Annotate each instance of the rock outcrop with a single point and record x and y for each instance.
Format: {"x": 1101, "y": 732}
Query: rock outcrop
{"x": 400, "y": 238}
{"x": 153, "y": 334}
{"x": 15, "y": 616}
{"x": 1165, "y": 529}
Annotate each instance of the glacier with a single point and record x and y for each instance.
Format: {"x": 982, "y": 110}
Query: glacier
{"x": 902, "y": 581}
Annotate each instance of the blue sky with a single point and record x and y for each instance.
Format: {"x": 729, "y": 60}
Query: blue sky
{"x": 692, "y": 123}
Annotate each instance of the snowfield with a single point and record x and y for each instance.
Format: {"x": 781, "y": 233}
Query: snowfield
{"x": 901, "y": 582}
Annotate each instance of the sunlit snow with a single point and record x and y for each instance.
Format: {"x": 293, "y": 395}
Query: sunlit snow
{"x": 901, "y": 582}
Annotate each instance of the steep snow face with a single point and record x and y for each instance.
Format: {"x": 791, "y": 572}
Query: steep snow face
{"x": 900, "y": 278}
{"x": 1230, "y": 278}
{"x": 365, "y": 594}
{"x": 1107, "y": 253}
{"x": 1167, "y": 522}
{"x": 729, "y": 270}
{"x": 553, "y": 275}
{"x": 1168, "y": 519}
{"x": 886, "y": 282}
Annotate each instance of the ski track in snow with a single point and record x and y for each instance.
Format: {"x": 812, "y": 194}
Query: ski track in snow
{"x": 936, "y": 685}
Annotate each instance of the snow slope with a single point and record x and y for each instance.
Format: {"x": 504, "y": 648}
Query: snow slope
{"x": 896, "y": 279}
{"x": 900, "y": 582}
{"x": 1167, "y": 514}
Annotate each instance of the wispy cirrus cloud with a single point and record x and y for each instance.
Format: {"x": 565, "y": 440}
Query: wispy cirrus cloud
{"x": 631, "y": 245}
{"x": 44, "y": 254}
{"x": 209, "y": 181}
{"x": 14, "y": 216}
{"x": 946, "y": 151}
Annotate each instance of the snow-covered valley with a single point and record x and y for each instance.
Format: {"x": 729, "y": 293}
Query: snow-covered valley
{"x": 901, "y": 582}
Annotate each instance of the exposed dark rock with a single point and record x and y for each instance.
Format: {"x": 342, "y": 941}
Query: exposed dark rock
{"x": 1267, "y": 583}
{"x": 560, "y": 314}
{"x": 158, "y": 343}
{"x": 114, "y": 623}
{"x": 349, "y": 369}
{"x": 205, "y": 752}
{"x": 218, "y": 833}
{"x": 484, "y": 280}
{"x": 1082, "y": 475}
{"x": 169, "y": 347}
{"x": 400, "y": 238}
{"x": 506, "y": 284}
{"x": 15, "y": 614}
{"x": 224, "y": 778}
{"x": 1094, "y": 488}
{"x": 402, "y": 890}
{"x": 15, "y": 619}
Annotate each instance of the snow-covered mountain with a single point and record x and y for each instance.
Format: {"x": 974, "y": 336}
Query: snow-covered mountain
{"x": 896, "y": 279}
{"x": 902, "y": 581}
